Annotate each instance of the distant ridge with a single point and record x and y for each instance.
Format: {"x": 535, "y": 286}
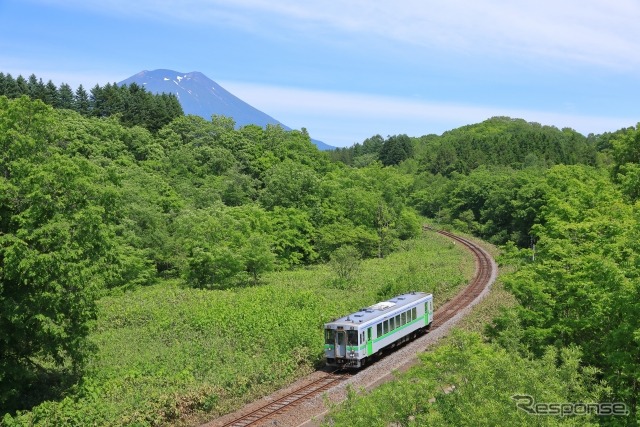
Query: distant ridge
{"x": 201, "y": 96}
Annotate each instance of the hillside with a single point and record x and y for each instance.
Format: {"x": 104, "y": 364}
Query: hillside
{"x": 564, "y": 208}
{"x": 138, "y": 266}
{"x": 503, "y": 141}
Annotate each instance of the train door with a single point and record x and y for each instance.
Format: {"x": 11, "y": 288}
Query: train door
{"x": 426, "y": 313}
{"x": 369, "y": 342}
{"x": 341, "y": 344}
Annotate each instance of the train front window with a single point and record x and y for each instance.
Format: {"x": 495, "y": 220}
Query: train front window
{"x": 352, "y": 338}
{"x": 329, "y": 336}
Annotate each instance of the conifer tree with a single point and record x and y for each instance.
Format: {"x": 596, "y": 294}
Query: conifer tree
{"x": 11, "y": 89}
{"x": 66, "y": 97}
{"x": 81, "y": 101}
{"x": 22, "y": 85}
{"x": 51, "y": 95}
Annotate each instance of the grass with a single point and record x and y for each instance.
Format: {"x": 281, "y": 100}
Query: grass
{"x": 489, "y": 308}
{"x": 169, "y": 354}
{"x": 465, "y": 381}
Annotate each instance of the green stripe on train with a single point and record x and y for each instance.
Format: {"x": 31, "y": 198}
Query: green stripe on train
{"x": 363, "y": 346}
{"x": 400, "y": 328}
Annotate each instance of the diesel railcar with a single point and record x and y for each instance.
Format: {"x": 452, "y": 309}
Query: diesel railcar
{"x": 352, "y": 341}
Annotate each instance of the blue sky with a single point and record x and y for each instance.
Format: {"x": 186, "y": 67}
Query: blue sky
{"x": 350, "y": 70}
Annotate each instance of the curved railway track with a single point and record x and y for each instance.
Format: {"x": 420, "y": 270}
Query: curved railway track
{"x": 483, "y": 277}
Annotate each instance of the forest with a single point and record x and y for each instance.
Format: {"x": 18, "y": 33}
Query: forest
{"x": 133, "y": 105}
{"x": 121, "y": 223}
{"x": 564, "y": 209}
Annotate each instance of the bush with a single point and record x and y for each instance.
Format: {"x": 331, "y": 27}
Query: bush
{"x": 345, "y": 262}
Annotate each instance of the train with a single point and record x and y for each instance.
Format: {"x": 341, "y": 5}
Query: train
{"x": 354, "y": 340}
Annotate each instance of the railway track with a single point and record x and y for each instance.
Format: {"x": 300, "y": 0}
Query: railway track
{"x": 289, "y": 400}
{"x": 482, "y": 277}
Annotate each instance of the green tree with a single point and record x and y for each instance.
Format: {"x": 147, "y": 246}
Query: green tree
{"x": 36, "y": 88}
{"x": 384, "y": 227}
{"x": 55, "y": 245}
{"x": 66, "y": 97}
{"x": 626, "y": 166}
{"x": 213, "y": 267}
{"x": 581, "y": 288}
{"x": 220, "y": 246}
{"x": 257, "y": 256}
{"x": 334, "y": 235}
{"x": 81, "y": 101}
{"x": 22, "y": 86}
{"x": 11, "y": 89}
{"x": 51, "y": 95}
{"x": 468, "y": 382}
{"x": 396, "y": 149}
{"x": 290, "y": 184}
{"x": 345, "y": 262}
{"x": 293, "y": 234}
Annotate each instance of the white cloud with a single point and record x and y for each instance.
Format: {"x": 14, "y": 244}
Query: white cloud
{"x": 603, "y": 32}
{"x": 339, "y": 118}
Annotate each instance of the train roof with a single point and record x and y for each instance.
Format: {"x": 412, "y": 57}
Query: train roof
{"x": 365, "y": 315}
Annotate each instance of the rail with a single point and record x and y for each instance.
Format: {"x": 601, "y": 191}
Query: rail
{"x": 481, "y": 278}
{"x": 289, "y": 400}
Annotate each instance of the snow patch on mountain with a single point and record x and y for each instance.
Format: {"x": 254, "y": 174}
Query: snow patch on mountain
{"x": 203, "y": 97}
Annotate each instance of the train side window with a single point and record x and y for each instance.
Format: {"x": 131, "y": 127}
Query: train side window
{"x": 403, "y": 318}
{"x": 386, "y": 326}
{"x": 409, "y": 319}
{"x": 392, "y": 324}
{"x": 413, "y": 313}
{"x": 398, "y": 321}
{"x": 379, "y": 330}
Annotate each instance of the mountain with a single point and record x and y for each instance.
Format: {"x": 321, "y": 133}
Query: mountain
{"x": 201, "y": 96}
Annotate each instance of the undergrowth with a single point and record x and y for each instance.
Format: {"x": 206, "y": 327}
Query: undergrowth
{"x": 171, "y": 354}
